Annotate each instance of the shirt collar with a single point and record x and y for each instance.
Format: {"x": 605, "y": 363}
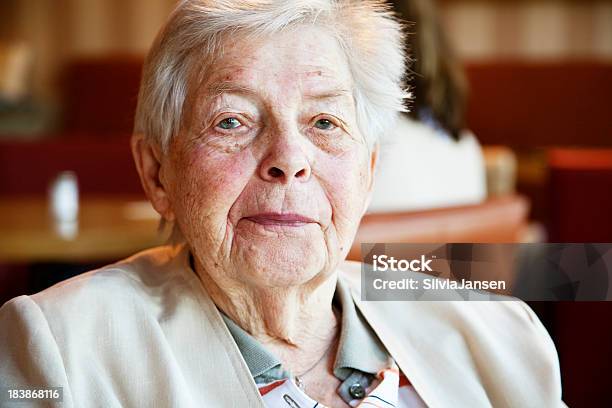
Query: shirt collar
{"x": 359, "y": 348}
{"x": 257, "y": 357}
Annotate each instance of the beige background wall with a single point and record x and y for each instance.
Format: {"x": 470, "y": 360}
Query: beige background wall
{"x": 537, "y": 29}
{"x": 59, "y": 30}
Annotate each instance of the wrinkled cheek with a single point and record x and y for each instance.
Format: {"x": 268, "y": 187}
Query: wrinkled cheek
{"x": 347, "y": 190}
{"x": 207, "y": 187}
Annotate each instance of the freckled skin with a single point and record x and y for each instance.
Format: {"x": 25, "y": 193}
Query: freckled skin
{"x": 219, "y": 178}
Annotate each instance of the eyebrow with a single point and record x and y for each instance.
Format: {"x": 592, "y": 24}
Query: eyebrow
{"x": 334, "y": 93}
{"x": 220, "y": 88}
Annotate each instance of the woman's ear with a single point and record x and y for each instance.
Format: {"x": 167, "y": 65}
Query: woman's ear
{"x": 373, "y": 161}
{"x": 148, "y": 161}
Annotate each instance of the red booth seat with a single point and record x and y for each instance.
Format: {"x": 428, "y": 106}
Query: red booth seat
{"x": 102, "y": 166}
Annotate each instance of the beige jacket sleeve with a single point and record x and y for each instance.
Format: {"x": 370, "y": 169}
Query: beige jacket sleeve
{"x": 29, "y": 354}
{"x": 139, "y": 333}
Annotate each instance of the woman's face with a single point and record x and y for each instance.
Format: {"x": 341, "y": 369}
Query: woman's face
{"x": 270, "y": 176}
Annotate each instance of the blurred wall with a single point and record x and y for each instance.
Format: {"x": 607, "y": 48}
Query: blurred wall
{"x": 60, "y": 30}
{"x": 529, "y": 29}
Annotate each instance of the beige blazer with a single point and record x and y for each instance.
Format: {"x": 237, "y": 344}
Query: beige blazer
{"x": 144, "y": 333}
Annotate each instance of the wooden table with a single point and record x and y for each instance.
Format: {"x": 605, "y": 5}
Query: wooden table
{"x": 108, "y": 228}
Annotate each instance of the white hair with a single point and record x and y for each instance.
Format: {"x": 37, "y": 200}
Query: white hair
{"x": 193, "y": 37}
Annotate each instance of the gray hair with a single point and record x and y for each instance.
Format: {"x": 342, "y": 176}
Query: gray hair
{"x": 366, "y": 31}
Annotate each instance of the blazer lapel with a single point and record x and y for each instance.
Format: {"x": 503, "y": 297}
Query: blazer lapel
{"x": 433, "y": 357}
{"x": 223, "y": 370}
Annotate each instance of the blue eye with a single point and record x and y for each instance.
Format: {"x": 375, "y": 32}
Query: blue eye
{"x": 324, "y": 124}
{"x": 229, "y": 123}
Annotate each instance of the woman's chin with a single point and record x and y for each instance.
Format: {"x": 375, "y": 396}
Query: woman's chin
{"x": 292, "y": 263}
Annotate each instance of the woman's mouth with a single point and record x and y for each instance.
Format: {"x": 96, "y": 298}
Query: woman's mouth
{"x": 281, "y": 219}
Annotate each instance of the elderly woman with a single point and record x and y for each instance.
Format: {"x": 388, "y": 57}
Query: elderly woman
{"x": 256, "y": 139}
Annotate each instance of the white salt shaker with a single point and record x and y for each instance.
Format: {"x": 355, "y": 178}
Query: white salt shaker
{"x": 64, "y": 201}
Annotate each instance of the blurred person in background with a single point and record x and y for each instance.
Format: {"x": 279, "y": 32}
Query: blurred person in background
{"x": 429, "y": 159}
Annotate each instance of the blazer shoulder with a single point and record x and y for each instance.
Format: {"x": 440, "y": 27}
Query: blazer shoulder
{"x": 497, "y": 310}
{"x": 144, "y": 281}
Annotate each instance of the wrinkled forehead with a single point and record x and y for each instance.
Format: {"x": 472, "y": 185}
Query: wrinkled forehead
{"x": 296, "y": 62}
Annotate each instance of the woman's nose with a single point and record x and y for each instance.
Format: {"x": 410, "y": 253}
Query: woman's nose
{"x": 285, "y": 162}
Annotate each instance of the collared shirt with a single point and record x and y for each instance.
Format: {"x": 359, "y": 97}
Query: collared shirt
{"x": 367, "y": 371}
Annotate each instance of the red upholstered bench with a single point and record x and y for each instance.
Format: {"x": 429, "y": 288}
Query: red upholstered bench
{"x": 580, "y": 193}
{"x": 103, "y": 166}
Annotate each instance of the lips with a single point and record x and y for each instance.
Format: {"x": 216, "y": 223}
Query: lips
{"x": 281, "y": 219}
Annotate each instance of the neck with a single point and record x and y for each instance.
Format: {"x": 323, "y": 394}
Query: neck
{"x": 298, "y": 318}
